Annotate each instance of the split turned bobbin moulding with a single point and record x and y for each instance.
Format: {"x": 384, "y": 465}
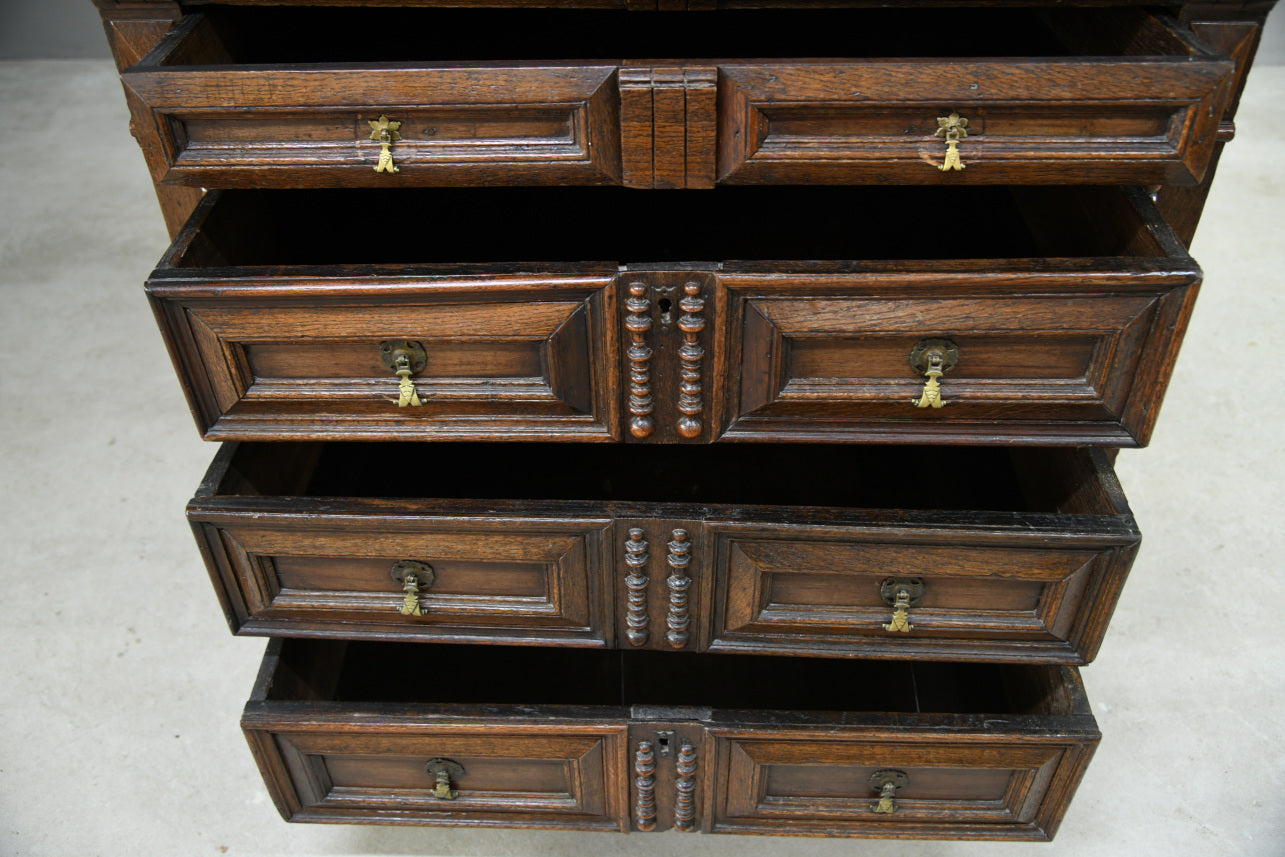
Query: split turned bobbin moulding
{"x": 728, "y": 397}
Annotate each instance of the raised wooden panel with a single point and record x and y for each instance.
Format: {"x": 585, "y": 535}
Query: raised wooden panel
{"x": 528, "y": 775}
{"x": 1011, "y": 593}
{"x": 507, "y": 356}
{"x": 1067, "y": 314}
{"x": 231, "y": 124}
{"x": 1148, "y": 115}
{"x": 1023, "y": 554}
{"x": 654, "y": 741}
{"x": 328, "y": 575}
{"x": 991, "y": 786}
{"x": 1140, "y": 108}
{"x": 1079, "y": 357}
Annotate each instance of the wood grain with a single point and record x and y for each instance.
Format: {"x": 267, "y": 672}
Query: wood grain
{"x": 624, "y": 759}
{"x": 1032, "y": 574}
{"x": 693, "y": 635}
{"x": 1108, "y": 109}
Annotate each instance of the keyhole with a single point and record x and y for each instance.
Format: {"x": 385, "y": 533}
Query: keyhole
{"x": 662, "y": 742}
{"x": 664, "y": 305}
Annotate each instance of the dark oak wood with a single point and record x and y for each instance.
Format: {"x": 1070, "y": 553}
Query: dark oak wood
{"x": 1129, "y": 118}
{"x": 1065, "y": 96}
{"x": 811, "y": 783}
{"x": 1022, "y": 553}
{"x": 668, "y": 125}
{"x": 667, "y": 791}
{"x": 1068, "y": 307}
{"x": 291, "y": 126}
{"x": 684, "y": 113}
{"x": 280, "y": 352}
{"x": 1234, "y": 30}
{"x": 651, "y": 741}
{"x": 516, "y": 577}
{"x": 692, "y": 636}
{"x": 822, "y": 354}
{"x": 518, "y": 771}
{"x": 133, "y": 30}
{"x": 681, "y": 363}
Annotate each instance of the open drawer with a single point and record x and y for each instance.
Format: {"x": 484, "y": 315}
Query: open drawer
{"x": 250, "y": 96}
{"x": 952, "y": 554}
{"x": 793, "y": 314}
{"x": 629, "y": 741}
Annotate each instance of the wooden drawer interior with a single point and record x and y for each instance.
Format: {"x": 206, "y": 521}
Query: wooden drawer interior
{"x": 241, "y": 35}
{"x": 321, "y": 229}
{"x": 370, "y": 672}
{"x": 1032, "y": 482}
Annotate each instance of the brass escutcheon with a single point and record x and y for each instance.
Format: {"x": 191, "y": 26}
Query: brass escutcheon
{"x": 953, "y": 128}
{"x": 887, "y": 784}
{"x": 443, "y": 772}
{"x": 413, "y": 577}
{"x": 932, "y": 358}
{"x": 901, "y": 594}
{"x": 405, "y": 358}
{"x": 384, "y": 132}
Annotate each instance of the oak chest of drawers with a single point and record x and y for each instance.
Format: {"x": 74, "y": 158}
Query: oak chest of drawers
{"x": 691, "y": 418}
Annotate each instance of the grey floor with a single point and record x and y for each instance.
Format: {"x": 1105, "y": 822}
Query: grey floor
{"x": 121, "y": 686}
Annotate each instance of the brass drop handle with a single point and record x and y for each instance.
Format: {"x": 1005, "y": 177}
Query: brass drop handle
{"x": 900, "y": 615}
{"x": 443, "y": 771}
{"x": 413, "y": 577}
{"x": 384, "y": 132}
{"x": 901, "y": 594}
{"x": 405, "y": 358}
{"x": 952, "y": 128}
{"x": 406, "y": 394}
{"x": 887, "y": 784}
{"x": 932, "y": 358}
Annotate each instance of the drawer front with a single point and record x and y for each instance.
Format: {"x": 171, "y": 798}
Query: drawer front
{"x": 1116, "y": 97}
{"x": 996, "y": 787}
{"x": 602, "y": 547}
{"x": 282, "y": 126}
{"x": 506, "y": 774}
{"x": 327, "y": 574}
{"x": 498, "y": 357}
{"x": 1061, "y": 312}
{"x": 553, "y": 737}
{"x": 1064, "y": 358}
{"x": 1000, "y": 596}
{"x": 1126, "y": 120}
